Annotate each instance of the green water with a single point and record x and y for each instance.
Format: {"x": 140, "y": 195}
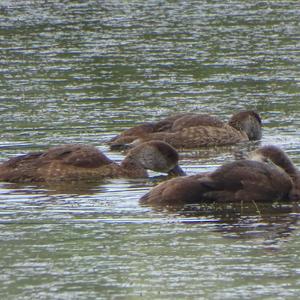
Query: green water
{"x": 81, "y": 71}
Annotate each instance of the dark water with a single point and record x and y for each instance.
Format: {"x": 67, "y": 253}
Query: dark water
{"x": 81, "y": 71}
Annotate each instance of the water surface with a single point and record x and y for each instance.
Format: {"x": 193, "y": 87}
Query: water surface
{"x": 81, "y": 71}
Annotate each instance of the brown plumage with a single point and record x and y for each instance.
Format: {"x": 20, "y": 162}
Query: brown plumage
{"x": 83, "y": 162}
{"x": 236, "y": 181}
{"x": 195, "y": 130}
{"x": 278, "y": 157}
{"x": 129, "y": 135}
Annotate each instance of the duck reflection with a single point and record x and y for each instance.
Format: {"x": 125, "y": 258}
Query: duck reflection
{"x": 53, "y": 188}
{"x": 270, "y": 222}
{"x": 81, "y": 188}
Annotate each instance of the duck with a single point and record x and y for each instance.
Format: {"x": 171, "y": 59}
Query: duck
{"x": 194, "y": 130}
{"x": 267, "y": 175}
{"x": 76, "y": 162}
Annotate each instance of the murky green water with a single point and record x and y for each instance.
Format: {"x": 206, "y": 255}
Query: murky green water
{"x": 81, "y": 71}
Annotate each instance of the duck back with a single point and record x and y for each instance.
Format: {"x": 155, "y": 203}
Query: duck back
{"x": 232, "y": 182}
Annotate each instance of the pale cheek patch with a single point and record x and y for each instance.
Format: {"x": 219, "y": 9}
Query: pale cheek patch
{"x": 256, "y": 157}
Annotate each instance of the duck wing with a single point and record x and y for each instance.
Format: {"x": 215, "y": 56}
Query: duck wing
{"x": 249, "y": 180}
{"x": 76, "y": 155}
{"x": 193, "y": 120}
{"x": 17, "y": 161}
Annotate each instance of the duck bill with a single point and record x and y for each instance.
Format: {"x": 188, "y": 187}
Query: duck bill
{"x": 177, "y": 171}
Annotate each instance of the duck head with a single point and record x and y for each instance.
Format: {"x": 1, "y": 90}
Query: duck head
{"x": 248, "y": 122}
{"x": 155, "y": 155}
{"x": 277, "y": 157}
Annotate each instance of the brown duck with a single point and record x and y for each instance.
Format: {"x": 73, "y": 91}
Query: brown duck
{"x": 194, "y": 130}
{"x": 236, "y": 181}
{"x": 83, "y": 162}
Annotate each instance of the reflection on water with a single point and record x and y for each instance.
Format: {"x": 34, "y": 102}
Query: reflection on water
{"x": 82, "y": 71}
{"x": 274, "y": 221}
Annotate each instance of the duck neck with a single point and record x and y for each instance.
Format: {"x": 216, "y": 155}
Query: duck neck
{"x": 295, "y": 192}
{"x": 133, "y": 168}
{"x": 287, "y": 165}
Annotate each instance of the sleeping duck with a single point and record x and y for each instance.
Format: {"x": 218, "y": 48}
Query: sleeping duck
{"x": 194, "y": 130}
{"x": 268, "y": 175}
